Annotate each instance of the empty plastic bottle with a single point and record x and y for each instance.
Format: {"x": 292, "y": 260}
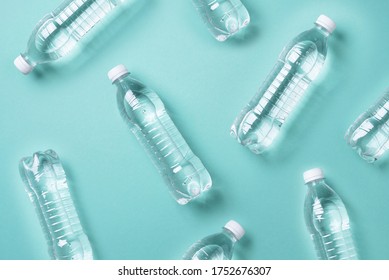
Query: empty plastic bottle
{"x": 219, "y": 246}
{"x": 57, "y": 33}
{"x": 46, "y": 185}
{"x": 369, "y": 134}
{"x": 145, "y": 114}
{"x": 327, "y": 219}
{"x": 223, "y": 18}
{"x": 300, "y": 62}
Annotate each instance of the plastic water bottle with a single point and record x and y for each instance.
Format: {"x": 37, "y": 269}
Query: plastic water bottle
{"x": 327, "y": 219}
{"x": 57, "y": 33}
{"x": 298, "y": 65}
{"x": 369, "y": 134}
{"x": 223, "y": 18}
{"x": 46, "y": 185}
{"x": 219, "y": 246}
{"x": 145, "y": 114}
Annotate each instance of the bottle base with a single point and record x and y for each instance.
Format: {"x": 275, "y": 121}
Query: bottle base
{"x": 221, "y": 38}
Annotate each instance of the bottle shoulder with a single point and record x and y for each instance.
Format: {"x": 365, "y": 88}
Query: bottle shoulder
{"x": 325, "y": 212}
{"x": 312, "y": 38}
{"x": 323, "y": 195}
{"x": 215, "y": 246}
{"x": 221, "y": 239}
{"x": 132, "y": 88}
{"x": 216, "y": 238}
{"x": 137, "y": 103}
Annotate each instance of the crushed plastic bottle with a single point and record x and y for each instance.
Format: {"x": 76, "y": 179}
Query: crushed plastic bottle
{"x": 369, "y": 134}
{"x": 219, "y": 246}
{"x": 223, "y": 18}
{"x": 259, "y": 123}
{"x": 58, "y": 33}
{"x": 145, "y": 114}
{"x": 327, "y": 219}
{"x": 46, "y": 185}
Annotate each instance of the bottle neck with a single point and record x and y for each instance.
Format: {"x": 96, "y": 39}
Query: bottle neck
{"x": 322, "y": 30}
{"x": 230, "y": 235}
{"x": 315, "y": 183}
{"x": 120, "y": 82}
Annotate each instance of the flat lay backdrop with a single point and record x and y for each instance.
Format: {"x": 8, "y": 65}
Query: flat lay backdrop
{"x": 123, "y": 204}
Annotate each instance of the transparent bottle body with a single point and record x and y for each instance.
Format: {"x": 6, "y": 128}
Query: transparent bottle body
{"x": 369, "y": 134}
{"x": 58, "y": 33}
{"x": 145, "y": 114}
{"x": 46, "y": 185}
{"x": 223, "y": 18}
{"x": 328, "y": 223}
{"x": 259, "y": 123}
{"x": 218, "y": 246}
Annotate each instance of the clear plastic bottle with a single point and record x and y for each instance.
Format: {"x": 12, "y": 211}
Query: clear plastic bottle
{"x": 327, "y": 219}
{"x": 219, "y": 246}
{"x": 145, "y": 114}
{"x": 259, "y": 123}
{"x": 369, "y": 134}
{"x": 223, "y": 18}
{"x": 46, "y": 185}
{"x": 57, "y": 33}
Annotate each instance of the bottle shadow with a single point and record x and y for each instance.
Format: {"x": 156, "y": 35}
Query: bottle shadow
{"x": 102, "y": 36}
{"x": 209, "y": 200}
{"x": 383, "y": 162}
{"x": 243, "y": 247}
{"x": 251, "y": 32}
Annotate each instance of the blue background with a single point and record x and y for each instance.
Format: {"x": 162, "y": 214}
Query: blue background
{"x": 124, "y": 206}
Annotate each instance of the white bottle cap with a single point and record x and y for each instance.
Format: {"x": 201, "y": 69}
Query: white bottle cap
{"x": 116, "y": 72}
{"x": 313, "y": 174}
{"x": 235, "y": 228}
{"x": 326, "y": 23}
{"x": 22, "y": 65}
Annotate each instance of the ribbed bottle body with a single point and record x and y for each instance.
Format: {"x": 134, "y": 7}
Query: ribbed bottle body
{"x": 47, "y": 187}
{"x": 145, "y": 114}
{"x": 58, "y": 33}
{"x": 369, "y": 134}
{"x": 259, "y": 123}
{"x": 328, "y": 223}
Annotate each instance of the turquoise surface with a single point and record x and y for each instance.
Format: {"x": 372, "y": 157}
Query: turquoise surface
{"x": 123, "y": 203}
